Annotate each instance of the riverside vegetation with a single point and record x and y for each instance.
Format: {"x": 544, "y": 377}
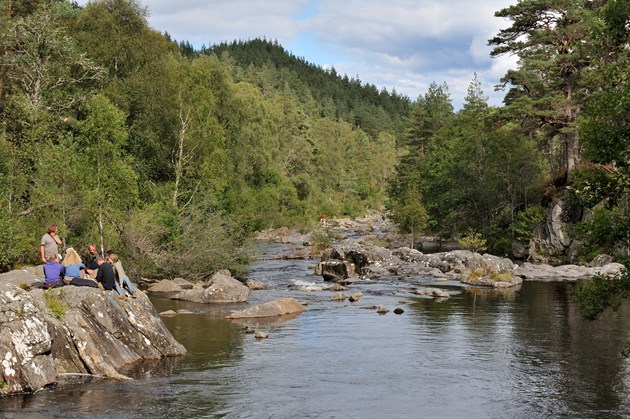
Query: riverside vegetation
{"x": 119, "y": 134}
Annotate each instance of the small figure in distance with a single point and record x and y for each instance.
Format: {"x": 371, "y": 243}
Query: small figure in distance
{"x": 72, "y": 263}
{"x": 90, "y": 260}
{"x": 105, "y": 274}
{"x": 50, "y": 243}
{"x": 123, "y": 285}
{"x": 53, "y": 272}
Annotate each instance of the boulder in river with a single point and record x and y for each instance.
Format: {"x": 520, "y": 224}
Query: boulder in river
{"x": 168, "y": 285}
{"x": 431, "y": 292}
{"x": 221, "y": 288}
{"x": 269, "y": 309}
{"x": 336, "y": 270}
{"x": 75, "y": 330}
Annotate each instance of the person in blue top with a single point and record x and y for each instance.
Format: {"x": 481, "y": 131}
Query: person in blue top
{"x": 73, "y": 265}
{"x": 53, "y": 272}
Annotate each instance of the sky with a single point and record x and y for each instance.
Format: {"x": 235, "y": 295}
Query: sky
{"x": 394, "y": 44}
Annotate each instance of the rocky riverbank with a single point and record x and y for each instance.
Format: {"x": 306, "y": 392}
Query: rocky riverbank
{"x": 351, "y": 261}
{"x": 73, "y": 331}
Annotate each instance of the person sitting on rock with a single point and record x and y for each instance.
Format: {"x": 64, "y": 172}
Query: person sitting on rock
{"x": 122, "y": 285}
{"x": 72, "y": 263}
{"x": 105, "y": 275}
{"x": 53, "y": 272}
{"x": 90, "y": 260}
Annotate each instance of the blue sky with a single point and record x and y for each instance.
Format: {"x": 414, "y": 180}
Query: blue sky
{"x": 397, "y": 44}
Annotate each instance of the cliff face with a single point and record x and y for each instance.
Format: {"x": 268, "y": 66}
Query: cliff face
{"x": 75, "y": 330}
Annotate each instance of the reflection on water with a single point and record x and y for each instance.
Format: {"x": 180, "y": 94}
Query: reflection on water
{"x": 481, "y": 353}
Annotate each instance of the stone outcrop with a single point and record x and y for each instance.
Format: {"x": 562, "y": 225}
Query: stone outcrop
{"x": 350, "y": 262}
{"x": 221, "y": 288}
{"x": 551, "y": 242}
{"x": 544, "y": 272}
{"x": 269, "y": 309}
{"x": 75, "y": 330}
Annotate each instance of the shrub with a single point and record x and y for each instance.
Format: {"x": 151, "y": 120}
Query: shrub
{"x": 473, "y": 241}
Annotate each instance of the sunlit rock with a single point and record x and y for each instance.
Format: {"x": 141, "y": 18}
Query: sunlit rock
{"x": 221, "y": 288}
{"x": 269, "y": 309}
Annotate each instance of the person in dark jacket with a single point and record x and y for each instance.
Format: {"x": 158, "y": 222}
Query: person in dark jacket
{"x": 90, "y": 260}
{"x": 105, "y": 275}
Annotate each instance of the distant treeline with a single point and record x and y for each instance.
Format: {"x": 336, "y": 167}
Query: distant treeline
{"x": 124, "y": 137}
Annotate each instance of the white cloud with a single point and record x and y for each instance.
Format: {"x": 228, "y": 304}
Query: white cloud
{"x": 401, "y": 44}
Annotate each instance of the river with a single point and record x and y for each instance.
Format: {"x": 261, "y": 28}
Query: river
{"x": 479, "y": 354}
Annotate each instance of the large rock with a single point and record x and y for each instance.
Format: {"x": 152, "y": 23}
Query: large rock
{"x": 269, "y": 309}
{"x": 168, "y": 285}
{"x": 75, "y": 330}
{"x": 221, "y": 288}
{"x": 360, "y": 255}
{"x": 551, "y": 242}
{"x": 544, "y": 272}
{"x": 336, "y": 270}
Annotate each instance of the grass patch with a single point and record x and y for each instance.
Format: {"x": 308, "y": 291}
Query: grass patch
{"x": 496, "y": 276}
{"x": 58, "y": 308}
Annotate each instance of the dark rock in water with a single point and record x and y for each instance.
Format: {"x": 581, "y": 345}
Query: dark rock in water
{"x": 336, "y": 270}
{"x": 221, "y": 288}
{"x": 75, "y": 330}
{"x": 398, "y": 310}
{"x": 269, "y": 309}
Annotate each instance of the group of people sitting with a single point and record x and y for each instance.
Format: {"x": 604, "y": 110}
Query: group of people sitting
{"x": 89, "y": 269}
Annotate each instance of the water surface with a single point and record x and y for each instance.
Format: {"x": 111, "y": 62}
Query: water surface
{"x": 482, "y": 354}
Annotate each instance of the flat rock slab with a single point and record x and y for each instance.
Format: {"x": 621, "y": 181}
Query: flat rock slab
{"x": 269, "y": 309}
{"x": 543, "y": 272}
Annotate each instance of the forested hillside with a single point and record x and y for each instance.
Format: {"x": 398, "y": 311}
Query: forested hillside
{"x": 120, "y": 136}
{"x": 127, "y": 138}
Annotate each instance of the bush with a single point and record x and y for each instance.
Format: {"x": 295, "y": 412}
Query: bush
{"x": 473, "y": 241}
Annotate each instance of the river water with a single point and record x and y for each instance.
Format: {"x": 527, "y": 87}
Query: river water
{"x": 479, "y": 354}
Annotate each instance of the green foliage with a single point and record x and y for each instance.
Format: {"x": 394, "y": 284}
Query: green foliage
{"x": 526, "y": 221}
{"x": 473, "y": 241}
{"x": 322, "y": 238}
{"x": 409, "y": 212}
{"x": 605, "y": 231}
{"x": 57, "y": 307}
{"x": 596, "y": 295}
